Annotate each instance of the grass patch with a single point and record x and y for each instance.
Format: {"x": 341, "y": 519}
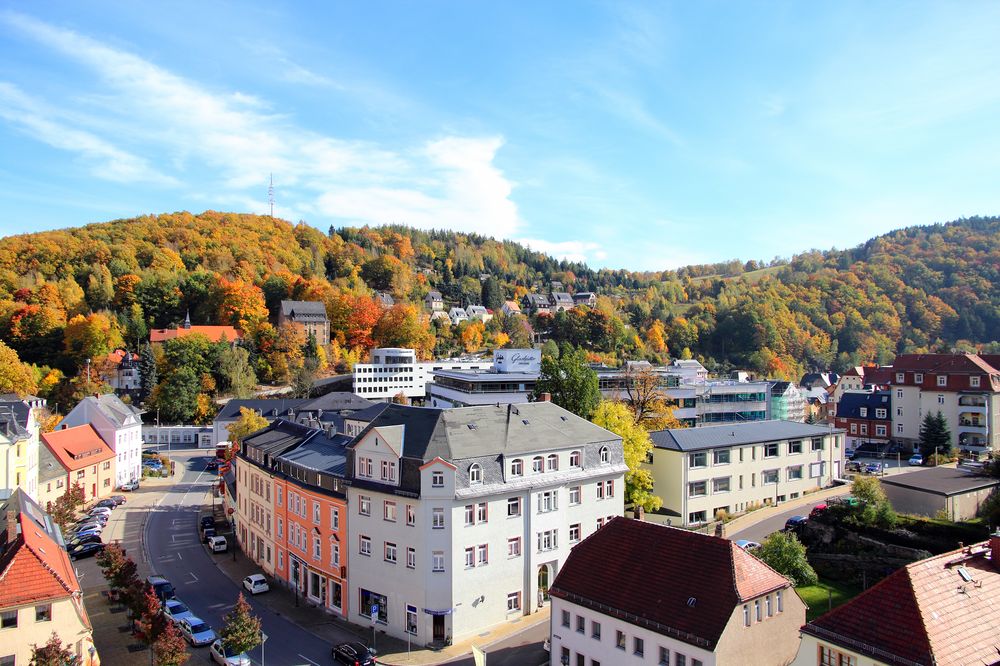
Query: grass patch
{"x": 817, "y": 597}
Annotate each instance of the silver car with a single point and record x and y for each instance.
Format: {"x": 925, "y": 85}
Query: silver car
{"x": 176, "y": 610}
{"x": 225, "y": 658}
{"x": 196, "y": 631}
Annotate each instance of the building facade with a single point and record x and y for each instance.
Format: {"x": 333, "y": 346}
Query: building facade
{"x": 510, "y": 380}
{"x": 460, "y": 519}
{"x": 866, "y": 418}
{"x": 311, "y": 315}
{"x": 119, "y": 425}
{"x": 393, "y": 371}
{"x": 787, "y": 402}
{"x": 19, "y": 445}
{"x": 702, "y": 472}
{"x": 85, "y": 458}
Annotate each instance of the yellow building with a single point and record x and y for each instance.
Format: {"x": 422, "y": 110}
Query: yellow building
{"x": 18, "y": 445}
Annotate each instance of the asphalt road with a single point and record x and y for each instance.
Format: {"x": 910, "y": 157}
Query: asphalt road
{"x": 759, "y": 531}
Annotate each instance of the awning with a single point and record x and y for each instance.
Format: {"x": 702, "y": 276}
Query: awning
{"x": 431, "y": 611}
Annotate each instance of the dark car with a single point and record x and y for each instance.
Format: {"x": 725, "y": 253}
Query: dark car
{"x": 85, "y": 550}
{"x": 212, "y": 465}
{"x": 852, "y": 466}
{"x": 79, "y": 541}
{"x": 873, "y": 468}
{"x": 207, "y": 521}
{"x": 109, "y": 503}
{"x": 208, "y": 533}
{"x": 355, "y": 654}
{"x": 162, "y": 587}
{"x": 117, "y": 499}
{"x": 795, "y": 522}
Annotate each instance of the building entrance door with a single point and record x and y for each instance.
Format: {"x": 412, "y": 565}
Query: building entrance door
{"x": 438, "y": 627}
{"x": 543, "y": 582}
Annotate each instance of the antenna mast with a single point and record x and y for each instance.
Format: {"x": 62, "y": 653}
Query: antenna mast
{"x": 270, "y": 195}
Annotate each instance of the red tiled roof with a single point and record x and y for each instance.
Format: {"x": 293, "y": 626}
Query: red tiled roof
{"x": 648, "y": 574}
{"x": 118, "y": 355}
{"x": 213, "y": 333}
{"x": 924, "y": 613}
{"x": 77, "y": 447}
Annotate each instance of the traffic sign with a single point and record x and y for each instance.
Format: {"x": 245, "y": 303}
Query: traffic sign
{"x": 374, "y": 612}
{"x": 263, "y": 637}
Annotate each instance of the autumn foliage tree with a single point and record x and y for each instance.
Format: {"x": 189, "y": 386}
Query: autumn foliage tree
{"x": 91, "y": 337}
{"x": 15, "y": 377}
{"x": 52, "y": 653}
{"x": 241, "y": 631}
{"x": 248, "y": 423}
{"x": 619, "y": 419}
{"x": 170, "y": 648}
{"x": 241, "y": 304}
{"x": 64, "y": 508}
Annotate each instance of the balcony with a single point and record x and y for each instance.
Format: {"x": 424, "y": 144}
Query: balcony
{"x": 972, "y": 401}
{"x": 972, "y": 441}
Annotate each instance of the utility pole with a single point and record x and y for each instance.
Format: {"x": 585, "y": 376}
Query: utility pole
{"x": 270, "y": 194}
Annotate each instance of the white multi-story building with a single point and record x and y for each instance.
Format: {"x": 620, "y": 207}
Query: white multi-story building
{"x": 393, "y": 370}
{"x": 700, "y": 472}
{"x": 460, "y": 519}
{"x": 119, "y": 425}
{"x": 511, "y": 380}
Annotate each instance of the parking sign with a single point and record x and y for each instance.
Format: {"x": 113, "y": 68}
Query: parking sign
{"x": 374, "y": 612}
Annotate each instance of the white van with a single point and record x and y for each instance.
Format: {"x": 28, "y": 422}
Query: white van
{"x": 218, "y": 544}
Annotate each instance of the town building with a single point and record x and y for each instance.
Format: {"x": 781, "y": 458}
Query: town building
{"x": 178, "y": 436}
{"x": 479, "y": 312}
{"x": 787, "y": 402}
{"x": 292, "y": 513}
{"x": 535, "y": 304}
{"x": 385, "y": 299}
{"x": 510, "y": 308}
{"x": 393, "y": 371}
{"x": 858, "y": 378}
{"x": 435, "y": 301}
{"x": 587, "y": 298}
{"x": 706, "y": 471}
{"x": 213, "y": 333}
{"x": 51, "y": 478}
{"x": 310, "y": 314}
{"x": 866, "y": 417}
{"x": 510, "y": 380}
{"x": 123, "y": 373}
{"x": 940, "y": 611}
{"x": 86, "y": 460}
{"x": 639, "y": 593}
{"x": 460, "y": 519}
{"x": 560, "y": 301}
{"x": 820, "y": 380}
{"x": 931, "y": 491}
{"x": 119, "y": 425}
{"x": 40, "y": 594}
{"x": 817, "y": 404}
{"x": 325, "y": 412}
{"x": 457, "y": 316}
{"x": 19, "y": 445}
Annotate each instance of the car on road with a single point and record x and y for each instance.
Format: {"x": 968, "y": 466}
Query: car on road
{"x": 795, "y": 522}
{"x": 746, "y": 544}
{"x": 208, "y": 533}
{"x": 873, "y": 468}
{"x": 118, "y": 499}
{"x": 162, "y": 587}
{"x": 355, "y": 654}
{"x": 817, "y": 510}
{"x": 218, "y": 544}
{"x": 85, "y": 550}
{"x": 176, "y": 610}
{"x": 212, "y": 465}
{"x": 129, "y": 486}
{"x": 852, "y": 466}
{"x": 79, "y": 541}
{"x": 88, "y": 526}
{"x": 225, "y": 658}
{"x": 916, "y": 460}
{"x": 207, "y": 521}
{"x": 196, "y": 631}
{"x": 100, "y": 511}
{"x": 255, "y": 584}
{"x": 106, "y": 503}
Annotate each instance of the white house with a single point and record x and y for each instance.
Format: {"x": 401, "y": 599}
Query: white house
{"x": 393, "y": 370}
{"x": 458, "y": 315}
{"x": 478, "y": 312}
{"x": 460, "y": 519}
{"x": 119, "y": 425}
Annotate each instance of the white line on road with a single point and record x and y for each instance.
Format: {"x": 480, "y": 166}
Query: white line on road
{"x": 181, "y": 557}
{"x": 309, "y": 660}
{"x": 191, "y": 573}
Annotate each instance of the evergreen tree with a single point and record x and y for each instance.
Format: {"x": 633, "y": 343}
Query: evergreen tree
{"x": 492, "y": 294}
{"x": 147, "y": 372}
{"x": 241, "y": 632}
{"x": 934, "y": 435}
{"x": 311, "y": 348}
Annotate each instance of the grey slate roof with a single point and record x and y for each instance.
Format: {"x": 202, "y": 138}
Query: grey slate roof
{"x": 269, "y": 407}
{"x": 112, "y": 407}
{"x": 304, "y": 310}
{"x": 561, "y": 297}
{"x": 49, "y": 468}
{"x": 735, "y": 434}
{"x": 941, "y": 481}
{"x": 434, "y": 295}
{"x": 369, "y": 413}
{"x": 337, "y": 401}
{"x": 279, "y": 437}
{"x": 320, "y": 453}
{"x": 14, "y": 419}
{"x": 851, "y": 403}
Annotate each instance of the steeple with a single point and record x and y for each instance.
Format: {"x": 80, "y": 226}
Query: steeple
{"x": 187, "y": 319}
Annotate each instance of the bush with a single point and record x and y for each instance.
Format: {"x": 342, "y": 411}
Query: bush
{"x": 783, "y": 552}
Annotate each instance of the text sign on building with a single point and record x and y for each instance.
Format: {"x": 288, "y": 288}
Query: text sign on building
{"x": 518, "y": 360}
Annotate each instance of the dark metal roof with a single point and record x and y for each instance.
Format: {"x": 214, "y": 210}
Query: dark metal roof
{"x": 268, "y": 407}
{"x": 735, "y": 434}
{"x": 945, "y": 481}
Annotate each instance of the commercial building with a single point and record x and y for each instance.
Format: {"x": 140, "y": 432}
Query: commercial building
{"x": 119, "y": 425}
{"x": 460, "y": 519}
{"x": 85, "y": 458}
{"x": 701, "y": 472}
{"x": 510, "y": 380}
{"x": 40, "y": 594}
{"x": 311, "y": 315}
{"x": 393, "y": 371}
{"x": 933, "y": 490}
{"x": 639, "y": 593}
{"x": 19, "y": 445}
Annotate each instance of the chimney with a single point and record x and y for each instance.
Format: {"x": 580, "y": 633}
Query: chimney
{"x": 995, "y": 548}
{"x": 639, "y": 513}
{"x": 11, "y": 526}
{"x": 545, "y": 397}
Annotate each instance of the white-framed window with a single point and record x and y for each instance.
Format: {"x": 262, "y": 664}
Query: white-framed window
{"x": 771, "y": 450}
{"x": 575, "y": 459}
{"x": 365, "y": 547}
{"x": 609, "y": 488}
{"x": 880, "y": 413}
{"x": 574, "y": 533}
{"x": 605, "y": 455}
{"x": 411, "y": 515}
{"x": 899, "y": 428}
{"x": 548, "y": 501}
{"x": 697, "y": 488}
{"x": 552, "y": 463}
{"x": 334, "y": 518}
{"x": 470, "y": 557}
{"x": 482, "y": 554}
{"x": 595, "y": 630}
{"x": 513, "y": 602}
{"x": 365, "y": 467}
{"x": 365, "y": 505}
{"x": 942, "y": 380}
{"x": 470, "y": 514}
{"x": 696, "y": 460}
{"x": 769, "y": 476}
{"x": 517, "y": 467}
{"x": 880, "y": 431}
{"x": 389, "y": 511}
{"x": 390, "y": 552}
{"x": 817, "y": 444}
{"x": 514, "y": 547}
{"x": 537, "y": 464}
{"x": 437, "y": 559}
{"x": 281, "y": 528}
{"x": 334, "y": 554}
{"x": 721, "y": 484}
{"x": 940, "y": 399}
{"x": 900, "y": 377}
{"x": 513, "y": 507}
{"x": 697, "y": 516}
{"x": 638, "y": 646}
{"x": 475, "y": 473}
{"x": 437, "y": 479}
{"x": 864, "y": 428}
{"x": 746, "y": 615}
{"x": 389, "y": 471}
{"x": 974, "y": 381}
{"x": 548, "y": 540}
{"x": 794, "y": 473}
{"x": 574, "y": 495}
{"x": 816, "y": 469}
{"x": 437, "y": 518}
{"x": 721, "y": 456}
{"x": 863, "y": 411}
{"x": 317, "y": 549}
{"x": 411, "y": 557}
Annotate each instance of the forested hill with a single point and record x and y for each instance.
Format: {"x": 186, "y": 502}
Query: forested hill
{"x": 915, "y": 289}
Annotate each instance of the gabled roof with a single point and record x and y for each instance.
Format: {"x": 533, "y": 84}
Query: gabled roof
{"x": 936, "y": 616}
{"x": 112, "y": 407}
{"x": 14, "y": 416}
{"x": 851, "y": 403}
{"x": 213, "y": 333}
{"x": 512, "y": 306}
{"x": 77, "y": 447}
{"x": 537, "y": 300}
{"x": 337, "y": 401}
{"x": 268, "y": 407}
{"x": 280, "y": 436}
{"x": 49, "y": 468}
{"x": 561, "y": 297}
{"x": 735, "y": 434}
{"x": 648, "y": 574}
{"x": 434, "y": 295}
{"x": 304, "y": 310}
{"x": 369, "y": 413}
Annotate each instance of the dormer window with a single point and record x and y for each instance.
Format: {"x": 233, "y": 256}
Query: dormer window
{"x": 517, "y": 467}
{"x": 437, "y": 479}
{"x": 900, "y": 377}
{"x": 942, "y": 380}
{"x": 552, "y": 463}
{"x": 475, "y": 474}
{"x": 537, "y": 464}
{"x": 605, "y": 455}
{"x": 574, "y": 459}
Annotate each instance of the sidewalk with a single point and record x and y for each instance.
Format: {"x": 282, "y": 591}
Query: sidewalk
{"x": 333, "y": 629}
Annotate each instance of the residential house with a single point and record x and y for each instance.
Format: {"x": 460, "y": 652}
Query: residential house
{"x": 479, "y": 312}
{"x": 123, "y": 372}
{"x": 460, "y": 519}
{"x": 51, "y": 478}
{"x": 510, "y": 308}
{"x": 535, "y": 304}
{"x": 587, "y": 298}
{"x": 787, "y": 402}
{"x": 855, "y": 379}
{"x": 85, "y": 458}
{"x": 940, "y": 611}
{"x": 311, "y": 315}
{"x": 560, "y": 301}
{"x": 292, "y": 511}
{"x": 639, "y": 593}
{"x": 555, "y": 285}
{"x": 19, "y": 445}
{"x": 435, "y": 301}
{"x": 40, "y": 594}
{"x": 457, "y": 316}
{"x": 866, "y": 417}
{"x": 702, "y": 472}
{"x": 393, "y": 370}
{"x": 817, "y": 404}
{"x": 326, "y": 412}
{"x": 269, "y": 408}
{"x": 213, "y": 333}
{"x": 931, "y": 491}
{"x": 385, "y": 299}
{"x": 821, "y": 380}
{"x": 119, "y": 425}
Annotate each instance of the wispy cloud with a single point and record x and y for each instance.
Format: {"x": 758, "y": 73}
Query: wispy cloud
{"x": 572, "y": 250}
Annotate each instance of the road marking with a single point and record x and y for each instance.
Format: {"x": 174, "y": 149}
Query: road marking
{"x": 309, "y": 660}
{"x": 191, "y": 573}
{"x": 181, "y": 557}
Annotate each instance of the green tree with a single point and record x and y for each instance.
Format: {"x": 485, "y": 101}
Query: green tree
{"x": 874, "y": 507}
{"x": 63, "y": 510}
{"x": 241, "y": 632}
{"x": 177, "y": 395}
{"x": 248, "y": 423}
{"x": 147, "y": 372}
{"x": 618, "y": 418}
{"x": 170, "y": 648}
{"x": 52, "y": 653}
{"x": 570, "y": 381}
{"x": 238, "y": 377}
{"x": 492, "y": 294}
{"x": 935, "y": 436}
{"x": 783, "y": 552}
{"x": 518, "y": 330}
{"x": 550, "y": 348}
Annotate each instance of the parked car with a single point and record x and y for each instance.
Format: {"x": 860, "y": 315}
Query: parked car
{"x": 218, "y": 544}
{"x": 846, "y": 500}
{"x": 87, "y": 526}
{"x": 212, "y": 465}
{"x": 795, "y": 522}
{"x": 746, "y": 545}
{"x": 117, "y": 499}
{"x": 85, "y": 550}
{"x": 221, "y": 656}
{"x": 916, "y": 460}
{"x": 100, "y": 510}
{"x": 89, "y": 532}
{"x": 129, "y": 486}
{"x": 255, "y": 584}
{"x": 817, "y": 510}
{"x": 873, "y": 468}
{"x": 852, "y": 466}
{"x": 207, "y": 521}
{"x": 78, "y": 540}
{"x": 161, "y": 587}
{"x": 197, "y": 631}
{"x": 99, "y": 520}
{"x": 208, "y": 533}
{"x": 356, "y": 654}
{"x": 176, "y": 610}
{"x": 106, "y": 503}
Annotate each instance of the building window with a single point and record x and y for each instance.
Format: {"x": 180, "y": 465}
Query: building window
{"x": 43, "y": 613}
{"x": 470, "y": 557}
{"x": 548, "y": 501}
{"x": 595, "y": 630}
{"x": 389, "y": 511}
{"x": 756, "y": 610}
{"x": 767, "y": 605}
{"x": 334, "y": 554}
{"x": 974, "y": 382}
{"x": 900, "y": 377}
{"x": 664, "y": 656}
{"x": 720, "y": 485}
{"x": 781, "y": 606}
{"x": 365, "y": 546}
{"x": 482, "y": 554}
{"x": 8, "y": 620}
{"x": 899, "y": 393}
{"x": 830, "y": 657}
{"x": 609, "y": 488}
{"x": 880, "y": 413}
{"x": 334, "y": 518}
{"x": 863, "y": 412}
{"x": 475, "y": 474}
{"x": 600, "y": 490}
{"x": 482, "y": 512}
{"x": 513, "y": 602}
{"x": 438, "y": 560}
{"x": 388, "y": 471}
{"x": 864, "y": 428}
{"x": 574, "y": 495}
{"x": 514, "y": 547}
{"x": 581, "y": 624}
{"x": 365, "y": 506}
{"x": 942, "y": 380}
{"x": 513, "y": 507}
{"x": 794, "y": 473}
{"x": 437, "y": 521}
{"x": 696, "y": 460}
{"x": 605, "y": 455}
{"x": 574, "y": 533}
{"x": 536, "y": 464}
{"x": 795, "y": 447}
{"x": 638, "y": 646}
{"x": 619, "y": 639}
{"x": 575, "y": 457}
{"x": 411, "y": 515}
{"x": 720, "y": 457}
{"x": 390, "y": 552}
{"x": 317, "y": 549}
{"x": 565, "y": 618}
{"x": 940, "y": 399}
{"x": 517, "y": 467}
{"x": 817, "y": 444}
{"x": 316, "y": 517}
{"x": 552, "y": 463}
{"x": 696, "y": 517}
{"x": 411, "y": 558}
{"x": 746, "y": 615}
{"x": 411, "y": 620}
{"x": 771, "y": 450}
{"x": 697, "y": 488}
{"x": 899, "y": 428}
{"x": 880, "y": 431}
{"x": 548, "y": 540}
{"x": 437, "y": 479}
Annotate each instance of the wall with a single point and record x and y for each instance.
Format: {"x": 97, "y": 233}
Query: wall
{"x": 773, "y": 641}
{"x": 808, "y": 654}
{"x": 65, "y": 622}
{"x": 255, "y": 514}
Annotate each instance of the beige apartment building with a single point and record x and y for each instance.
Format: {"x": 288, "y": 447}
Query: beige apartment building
{"x": 700, "y": 472}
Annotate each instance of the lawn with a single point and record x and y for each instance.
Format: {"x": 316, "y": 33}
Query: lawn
{"x": 817, "y": 597}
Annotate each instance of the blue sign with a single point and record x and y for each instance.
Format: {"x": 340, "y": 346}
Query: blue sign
{"x": 374, "y": 612}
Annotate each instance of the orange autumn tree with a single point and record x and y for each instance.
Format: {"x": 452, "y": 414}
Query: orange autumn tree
{"x": 240, "y": 303}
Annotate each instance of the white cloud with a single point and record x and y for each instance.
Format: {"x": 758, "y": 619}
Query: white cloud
{"x": 573, "y": 250}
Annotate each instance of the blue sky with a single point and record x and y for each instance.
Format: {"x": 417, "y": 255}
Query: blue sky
{"x": 643, "y": 136}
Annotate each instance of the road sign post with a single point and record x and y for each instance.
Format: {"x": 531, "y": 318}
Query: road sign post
{"x": 374, "y": 619}
{"x": 263, "y": 639}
